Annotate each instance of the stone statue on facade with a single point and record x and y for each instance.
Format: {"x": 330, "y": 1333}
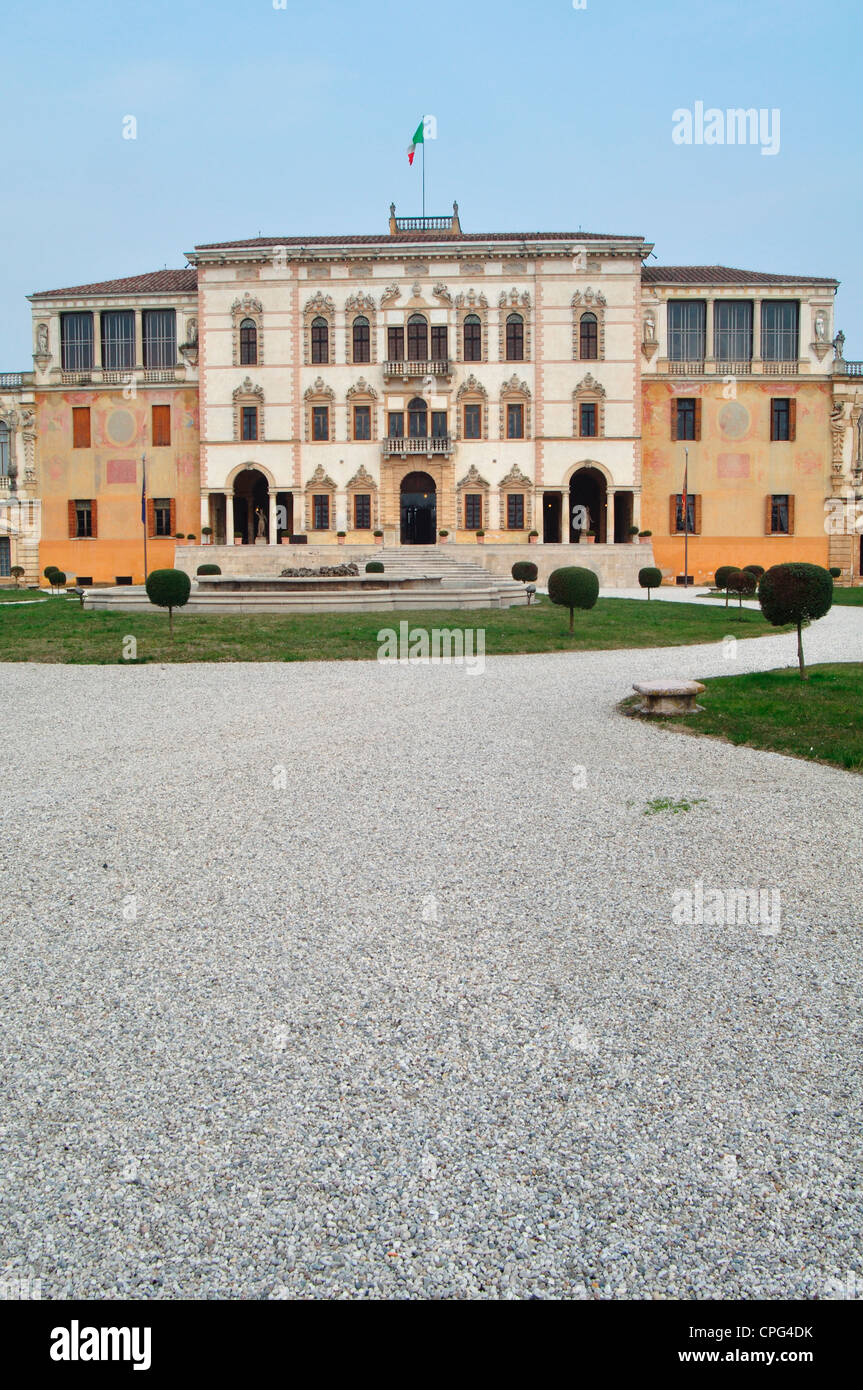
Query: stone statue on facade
{"x": 820, "y": 327}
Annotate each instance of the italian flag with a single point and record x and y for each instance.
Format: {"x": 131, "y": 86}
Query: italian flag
{"x": 416, "y": 139}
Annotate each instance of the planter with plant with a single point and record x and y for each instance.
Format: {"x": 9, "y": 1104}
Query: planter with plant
{"x": 480, "y": 535}
{"x": 644, "y": 537}
{"x": 532, "y": 537}
{"x": 206, "y": 533}
{"x": 633, "y": 534}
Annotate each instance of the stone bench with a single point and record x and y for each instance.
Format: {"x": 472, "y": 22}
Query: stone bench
{"x": 669, "y": 697}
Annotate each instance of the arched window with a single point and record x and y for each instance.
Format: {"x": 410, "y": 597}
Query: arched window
{"x": 361, "y": 339}
{"x": 248, "y": 343}
{"x": 588, "y": 337}
{"x": 418, "y": 339}
{"x": 472, "y": 339}
{"x": 320, "y": 340}
{"x": 515, "y": 338}
{"x": 417, "y": 418}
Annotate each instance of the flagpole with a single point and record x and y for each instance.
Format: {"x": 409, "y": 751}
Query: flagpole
{"x": 686, "y": 520}
{"x": 424, "y": 177}
{"x": 144, "y": 508}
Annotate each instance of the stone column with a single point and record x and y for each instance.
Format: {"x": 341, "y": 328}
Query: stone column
{"x": 138, "y": 355}
{"x": 636, "y": 507}
{"x": 565, "y": 517}
{"x": 709, "y": 355}
{"x": 229, "y": 517}
{"x": 609, "y": 515}
{"x": 274, "y": 540}
{"x": 756, "y": 336}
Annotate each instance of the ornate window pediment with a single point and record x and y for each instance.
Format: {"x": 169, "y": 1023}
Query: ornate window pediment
{"x": 361, "y": 330}
{"x": 472, "y": 311}
{"x": 515, "y": 392}
{"x": 588, "y": 325}
{"x": 514, "y": 319}
{"x": 475, "y": 484}
{"x": 363, "y": 483}
{"x": 320, "y": 481}
{"x": 319, "y": 315}
{"x": 362, "y": 411}
{"x": 471, "y": 392}
{"x": 518, "y": 482}
{"x": 319, "y": 401}
{"x": 588, "y": 392}
{"x": 248, "y": 395}
{"x": 244, "y": 311}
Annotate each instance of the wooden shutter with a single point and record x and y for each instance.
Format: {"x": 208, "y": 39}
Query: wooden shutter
{"x": 698, "y": 418}
{"x": 151, "y": 517}
{"x": 673, "y": 417}
{"x": 73, "y": 520}
{"x": 81, "y": 427}
{"x": 790, "y": 515}
{"x": 161, "y": 424}
{"x": 792, "y": 420}
{"x": 672, "y": 514}
{"x": 768, "y": 515}
{"x": 172, "y": 524}
{"x": 94, "y": 518}
{"x": 696, "y": 531}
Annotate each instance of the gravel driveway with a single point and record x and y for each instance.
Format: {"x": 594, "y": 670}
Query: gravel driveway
{"x": 365, "y": 980}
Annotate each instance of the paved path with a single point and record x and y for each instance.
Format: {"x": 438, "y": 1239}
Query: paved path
{"x": 345, "y": 979}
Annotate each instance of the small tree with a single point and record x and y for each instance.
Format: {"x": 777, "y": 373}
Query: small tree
{"x": 17, "y": 573}
{"x": 573, "y": 587}
{"x": 48, "y": 573}
{"x": 374, "y": 567}
{"x": 649, "y": 578}
{"x": 835, "y": 572}
{"x": 796, "y": 593}
{"x": 742, "y": 583}
{"x": 169, "y": 589}
{"x": 720, "y": 578}
{"x": 208, "y": 569}
{"x": 525, "y": 571}
{"x": 58, "y": 579}
{"x": 757, "y": 570}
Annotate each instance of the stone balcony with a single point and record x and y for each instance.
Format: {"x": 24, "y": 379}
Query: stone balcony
{"x": 411, "y": 371}
{"x": 426, "y": 446}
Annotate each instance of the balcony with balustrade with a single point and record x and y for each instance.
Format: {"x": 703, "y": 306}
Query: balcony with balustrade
{"x": 426, "y": 446}
{"x": 439, "y": 368}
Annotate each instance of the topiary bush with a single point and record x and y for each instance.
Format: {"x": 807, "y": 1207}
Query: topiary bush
{"x": 48, "y": 573}
{"x": 17, "y": 573}
{"x": 573, "y": 587}
{"x": 57, "y": 578}
{"x": 525, "y": 571}
{"x": 374, "y": 567}
{"x": 208, "y": 569}
{"x": 796, "y": 593}
{"x": 649, "y": 578}
{"x": 720, "y": 578}
{"x": 743, "y": 583}
{"x": 757, "y": 570}
{"x": 169, "y": 589}
{"x": 835, "y": 572}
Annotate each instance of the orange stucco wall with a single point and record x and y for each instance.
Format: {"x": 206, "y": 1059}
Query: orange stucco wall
{"x": 110, "y": 472}
{"x": 733, "y": 468}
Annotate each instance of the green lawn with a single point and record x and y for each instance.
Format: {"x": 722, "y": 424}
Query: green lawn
{"x": 821, "y": 718}
{"x": 846, "y": 598}
{"x": 16, "y": 595}
{"x": 60, "y": 630}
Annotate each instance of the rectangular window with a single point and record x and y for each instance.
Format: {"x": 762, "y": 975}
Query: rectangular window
{"x": 473, "y": 511}
{"x": 686, "y": 328}
{"x": 439, "y": 344}
{"x": 690, "y": 513}
{"x": 321, "y": 512}
{"x": 362, "y": 511}
{"x": 472, "y": 422}
{"x": 587, "y": 420}
{"x": 159, "y": 331}
{"x": 780, "y": 514}
{"x": 249, "y": 422}
{"x": 76, "y": 342}
{"x": 162, "y": 426}
{"x": 438, "y": 424}
{"x": 781, "y": 419}
{"x": 779, "y": 330}
{"x": 732, "y": 330}
{"x": 162, "y": 516}
{"x": 81, "y": 427}
{"x": 515, "y": 422}
{"x": 515, "y": 511}
{"x": 362, "y": 422}
{"x": 395, "y": 344}
{"x": 686, "y": 413}
{"x": 396, "y": 424}
{"x": 118, "y": 340}
{"x": 83, "y": 519}
{"x": 320, "y": 423}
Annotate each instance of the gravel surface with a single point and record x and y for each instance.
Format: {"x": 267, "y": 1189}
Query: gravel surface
{"x": 366, "y": 981}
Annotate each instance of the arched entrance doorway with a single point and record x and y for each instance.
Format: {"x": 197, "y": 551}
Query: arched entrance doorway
{"x": 587, "y": 496}
{"x": 251, "y": 506}
{"x": 418, "y": 510}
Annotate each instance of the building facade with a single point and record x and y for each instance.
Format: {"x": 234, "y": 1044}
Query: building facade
{"x": 432, "y": 386}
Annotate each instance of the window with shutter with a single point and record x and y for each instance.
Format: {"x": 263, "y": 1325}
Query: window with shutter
{"x": 161, "y": 426}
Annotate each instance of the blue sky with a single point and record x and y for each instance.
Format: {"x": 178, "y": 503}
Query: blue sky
{"x": 288, "y": 121}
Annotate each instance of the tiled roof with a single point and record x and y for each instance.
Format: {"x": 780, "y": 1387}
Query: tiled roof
{"x": 723, "y": 275}
{"x": 155, "y": 282}
{"x": 387, "y": 240}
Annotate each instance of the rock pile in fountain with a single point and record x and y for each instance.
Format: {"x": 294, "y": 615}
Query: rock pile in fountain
{"x": 324, "y": 572}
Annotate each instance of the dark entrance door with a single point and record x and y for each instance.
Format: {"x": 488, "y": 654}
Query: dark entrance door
{"x": 551, "y": 518}
{"x": 419, "y": 510}
{"x": 251, "y": 499}
{"x": 587, "y": 492}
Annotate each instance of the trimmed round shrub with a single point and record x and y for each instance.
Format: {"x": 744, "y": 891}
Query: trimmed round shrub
{"x": 720, "y": 578}
{"x": 742, "y": 583}
{"x": 525, "y": 571}
{"x": 16, "y": 573}
{"x": 835, "y": 572}
{"x": 58, "y": 579}
{"x": 374, "y": 567}
{"x": 573, "y": 587}
{"x": 48, "y": 571}
{"x": 208, "y": 569}
{"x": 649, "y": 578}
{"x": 757, "y": 570}
{"x": 796, "y": 593}
{"x": 169, "y": 589}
